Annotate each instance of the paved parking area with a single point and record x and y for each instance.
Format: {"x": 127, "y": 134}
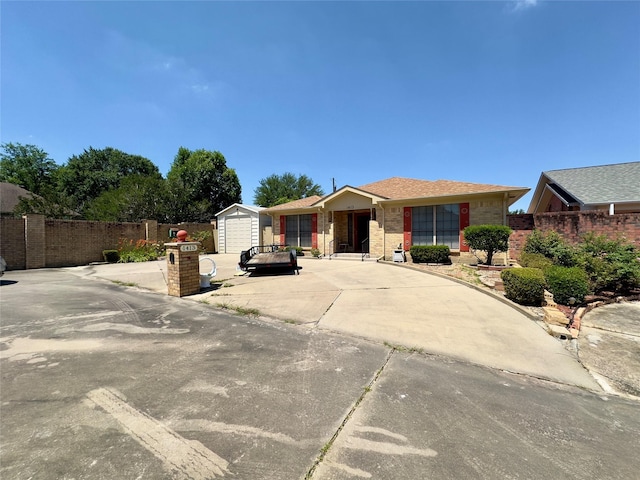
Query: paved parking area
{"x": 385, "y": 303}
{"x": 102, "y": 381}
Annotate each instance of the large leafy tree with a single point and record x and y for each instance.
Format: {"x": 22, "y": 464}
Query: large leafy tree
{"x": 200, "y": 184}
{"x": 86, "y": 176}
{"x": 28, "y": 166}
{"x": 137, "y": 198}
{"x": 278, "y": 189}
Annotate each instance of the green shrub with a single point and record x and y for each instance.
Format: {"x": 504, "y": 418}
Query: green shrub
{"x": 552, "y": 246}
{"x": 111, "y": 256}
{"x": 612, "y": 265}
{"x": 535, "y": 260}
{"x": 430, "y": 254}
{"x": 140, "y": 251}
{"x": 566, "y": 283}
{"x": 524, "y": 285}
{"x": 488, "y": 238}
{"x": 315, "y": 252}
{"x": 299, "y": 250}
{"x": 201, "y": 236}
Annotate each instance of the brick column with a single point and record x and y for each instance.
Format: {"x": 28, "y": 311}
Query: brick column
{"x": 35, "y": 241}
{"x": 183, "y": 268}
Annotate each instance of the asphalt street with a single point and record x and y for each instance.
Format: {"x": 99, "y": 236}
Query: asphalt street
{"x": 103, "y": 381}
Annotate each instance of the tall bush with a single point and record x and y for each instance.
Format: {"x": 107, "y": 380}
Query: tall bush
{"x": 612, "y": 265}
{"x": 552, "y": 246}
{"x": 488, "y": 238}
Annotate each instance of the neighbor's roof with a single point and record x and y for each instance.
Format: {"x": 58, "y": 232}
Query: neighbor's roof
{"x": 397, "y": 188}
{"x": 603, "y": 184}
{"x": 10, "y": 196}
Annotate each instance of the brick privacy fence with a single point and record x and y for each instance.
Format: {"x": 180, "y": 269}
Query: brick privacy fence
{"x": 36, "y": 242}
{"x": 572, "y": 226}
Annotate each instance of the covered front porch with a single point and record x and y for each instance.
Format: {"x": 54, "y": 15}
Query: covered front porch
{"x": 351, "y": 231}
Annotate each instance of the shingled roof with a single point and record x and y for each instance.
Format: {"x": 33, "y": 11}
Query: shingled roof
{"x": 603, "y": 184}
{"x": 396, "y": 188}
{"x": 301, "y": 203}
{"x": 399, "y": 188}
{"x": 10, "y": 195}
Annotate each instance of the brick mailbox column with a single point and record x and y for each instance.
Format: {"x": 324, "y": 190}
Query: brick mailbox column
{"x": 183, "y": 268}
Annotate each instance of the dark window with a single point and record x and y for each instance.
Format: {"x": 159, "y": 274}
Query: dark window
{"x": 436, "y": 225}
{"x": 298, "y": 230}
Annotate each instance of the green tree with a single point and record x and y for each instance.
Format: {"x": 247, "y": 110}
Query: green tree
{"x": 137, "y": 198}
{"x": 199, "y": 185}
{"x": 27, "y": 166}
{"x": 93, "y": 172}
{"x": 489, "y": 238}
{"x": 278, "y": 189}
{"x": 52, "y": 205}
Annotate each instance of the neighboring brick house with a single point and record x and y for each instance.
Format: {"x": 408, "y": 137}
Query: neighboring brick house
{"x": 613, "y": 188}
{"x": 574, "y": 202}
{"x": 378, "y": 217}
{"x": 10, "y": 196}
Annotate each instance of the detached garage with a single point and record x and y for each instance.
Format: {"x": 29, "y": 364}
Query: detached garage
{"x": 241, "y": 227}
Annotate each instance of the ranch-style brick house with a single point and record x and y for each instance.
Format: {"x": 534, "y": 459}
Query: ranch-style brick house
{"x": 379, "y": 217}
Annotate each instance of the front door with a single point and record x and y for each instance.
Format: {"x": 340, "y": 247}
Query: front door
{"x": 361, "y": 233}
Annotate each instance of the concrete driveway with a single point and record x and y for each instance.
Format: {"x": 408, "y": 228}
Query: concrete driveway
{"x": 101, "y": 381}
{"x": 386, "y": 303}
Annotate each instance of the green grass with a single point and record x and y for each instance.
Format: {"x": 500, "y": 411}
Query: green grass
{"x": 402, "y": 348}
{"x": 246, "y": 312}
{"x": 124, "y": 284}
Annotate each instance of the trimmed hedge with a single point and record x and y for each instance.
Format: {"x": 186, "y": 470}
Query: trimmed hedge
{"x": 535, "y": 260}
{"x": 567, "y": 282}
{"x": 430, "y": 254}
{"x": 524, "y": 285}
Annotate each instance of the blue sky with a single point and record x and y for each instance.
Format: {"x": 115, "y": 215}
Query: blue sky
{"x": 480, "y": 91}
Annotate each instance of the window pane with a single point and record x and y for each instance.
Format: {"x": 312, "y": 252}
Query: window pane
{"x": 305, "y": 231}
{"x": 448, "y": 225}
{"x": 291, "y": 230}
{"x": 422, "y": 225}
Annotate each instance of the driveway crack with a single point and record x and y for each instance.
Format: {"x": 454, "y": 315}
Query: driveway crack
{"x": 327, "y": 446}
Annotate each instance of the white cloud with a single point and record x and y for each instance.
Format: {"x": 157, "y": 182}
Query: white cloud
{"x": 524, "y": 4}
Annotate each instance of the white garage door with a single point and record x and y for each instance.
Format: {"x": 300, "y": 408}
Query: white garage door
{"x": 237, "y": 233}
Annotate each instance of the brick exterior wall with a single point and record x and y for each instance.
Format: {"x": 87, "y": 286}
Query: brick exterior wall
{"x": 573, "y": 225}
{"x": 522, "y": 226}
{"x": 183, "y": 270}
{"x": 486, "y": 212}
{"x": 12, "y": 243}
{"x": 36, "y": 242}
{"x": 77, "y": 242}
{"x": 394, "y": 222}
{"x": 376, "y": 235}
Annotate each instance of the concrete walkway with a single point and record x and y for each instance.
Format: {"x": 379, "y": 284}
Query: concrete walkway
{"x": 384, "y": 303}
